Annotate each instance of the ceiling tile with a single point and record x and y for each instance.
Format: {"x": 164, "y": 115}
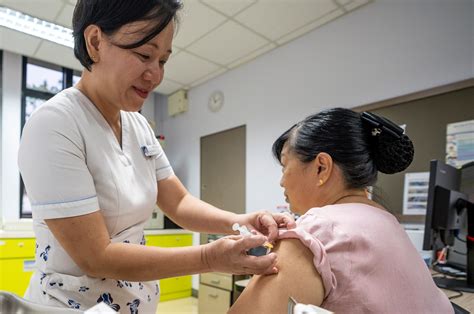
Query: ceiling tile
{"x": 282, "y": 16}
{"x": 186, "y": 68}
{"x": 355, "y": 4}
{"x": 44, "y": 9}
{"x": 222, "y": 46}
{"x": 57, "y": 54}
{"x": 208, "y": 77}
{"x": 167, "y": 87}
{"x": 229, "y": 7}
{"x": 307, "y": 28}
{"x": 343, "y": 2}
{"x": 65, "y": 17}
{"x": 176, "y": 50}
{"x": 252, "y": 55}
{"x": 17, "y": 42}
{"x": 196, "y": 20}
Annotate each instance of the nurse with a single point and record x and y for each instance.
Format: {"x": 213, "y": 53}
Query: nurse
{"x": 94, "y": 171}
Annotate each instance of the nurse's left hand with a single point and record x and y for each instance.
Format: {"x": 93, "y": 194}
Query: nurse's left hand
{"x": 267, "y": 223}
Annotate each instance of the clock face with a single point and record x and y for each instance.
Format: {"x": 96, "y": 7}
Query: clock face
{"x": 216, "y": 101}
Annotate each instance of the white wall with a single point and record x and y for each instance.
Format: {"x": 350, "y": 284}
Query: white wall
{"x": 472, "y": 35}
{"x": 11, "y": 124}
{"x": 385, "y": 49}
{"x": 1, "y": 145}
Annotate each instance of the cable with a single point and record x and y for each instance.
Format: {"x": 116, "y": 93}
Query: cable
{"x": 460, "y": 294}
{"x": 460, "y": 253}
{"x": 457, "y": 237}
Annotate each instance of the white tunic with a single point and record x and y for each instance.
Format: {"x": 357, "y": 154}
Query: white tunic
{"x": 72, "y": 164}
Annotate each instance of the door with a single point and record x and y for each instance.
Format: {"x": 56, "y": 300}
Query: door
{"x": 223, "y": 170}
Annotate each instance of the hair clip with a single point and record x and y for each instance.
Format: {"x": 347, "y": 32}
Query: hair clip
{"x": 380, "y": 124}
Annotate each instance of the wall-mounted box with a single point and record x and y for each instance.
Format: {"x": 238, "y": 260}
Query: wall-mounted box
{"x": 178, "y": 102}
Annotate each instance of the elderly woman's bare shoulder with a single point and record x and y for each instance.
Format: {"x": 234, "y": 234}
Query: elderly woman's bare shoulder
{"x": 297, "y": 277}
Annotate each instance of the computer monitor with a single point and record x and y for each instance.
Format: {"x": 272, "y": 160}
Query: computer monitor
{"x": 448, "y": 203}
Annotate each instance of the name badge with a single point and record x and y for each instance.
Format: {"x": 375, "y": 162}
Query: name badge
{"x": 151, "y": 150}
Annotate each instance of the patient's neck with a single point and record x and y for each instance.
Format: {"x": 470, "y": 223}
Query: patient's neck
{"x": 348, "y": 197}
{"x": 355, "y": 196}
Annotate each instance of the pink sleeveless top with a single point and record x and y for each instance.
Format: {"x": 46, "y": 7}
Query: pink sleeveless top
{"x": 367, "y": 262}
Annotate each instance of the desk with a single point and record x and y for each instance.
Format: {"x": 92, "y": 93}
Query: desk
{"x": 465, "y": 301}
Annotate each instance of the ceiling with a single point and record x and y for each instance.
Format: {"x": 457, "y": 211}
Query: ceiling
{"x": 214, "y": 36}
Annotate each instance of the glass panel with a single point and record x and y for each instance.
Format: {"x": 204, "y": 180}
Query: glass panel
{"x": 25, "y": 205}
{"x": 43, "y": 79}
{"x": 75, "y": 79}
{"x": 32, "y": 104}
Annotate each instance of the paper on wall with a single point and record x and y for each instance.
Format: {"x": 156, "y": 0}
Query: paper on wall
{"x": 415, "y": 194}
{"x": 460, "y": 143}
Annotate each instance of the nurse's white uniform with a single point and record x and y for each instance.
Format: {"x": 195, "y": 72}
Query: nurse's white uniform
{"x": 72, "y": 164}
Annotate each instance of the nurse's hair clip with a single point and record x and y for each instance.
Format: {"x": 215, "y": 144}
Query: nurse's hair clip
{"x": 380, "y": 124}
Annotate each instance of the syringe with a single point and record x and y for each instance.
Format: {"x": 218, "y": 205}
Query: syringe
{"x": 256, "y": 251}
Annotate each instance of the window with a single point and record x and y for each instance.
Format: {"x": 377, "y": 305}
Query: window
{"x": 75, "y": 78}
{"x": 44, "y": 79}
{"x": 41, "y": 81}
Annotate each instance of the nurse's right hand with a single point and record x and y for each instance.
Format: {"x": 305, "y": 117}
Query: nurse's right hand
{"x": 229, "y": 255}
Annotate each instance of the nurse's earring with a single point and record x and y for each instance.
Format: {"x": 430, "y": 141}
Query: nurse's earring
{"x": 321, "y": 182}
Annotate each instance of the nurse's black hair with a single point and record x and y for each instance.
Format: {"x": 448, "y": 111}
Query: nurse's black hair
{"x": 352, "y": 142}
{"x": 110, "y": 15}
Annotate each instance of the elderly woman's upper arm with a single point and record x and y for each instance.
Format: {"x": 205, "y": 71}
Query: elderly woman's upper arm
{"x": 297, "y": 277}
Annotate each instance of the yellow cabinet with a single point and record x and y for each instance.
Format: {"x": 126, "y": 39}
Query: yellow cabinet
{"x": 17, "y": 258}
{"x": 176, "y": 287}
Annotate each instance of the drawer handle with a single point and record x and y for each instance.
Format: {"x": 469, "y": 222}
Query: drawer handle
{"x": 21, "y": 244}
{"x": 214, "y": 296}
{"x": 216, "y": 282}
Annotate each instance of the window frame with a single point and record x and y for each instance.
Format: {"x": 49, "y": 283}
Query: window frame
{"x": 28, "y": 92}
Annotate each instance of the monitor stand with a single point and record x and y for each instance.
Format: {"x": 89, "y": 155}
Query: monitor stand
{"x": 453, "y": 284}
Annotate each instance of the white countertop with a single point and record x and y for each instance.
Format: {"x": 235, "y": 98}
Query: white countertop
{"x": 6, "y": 234}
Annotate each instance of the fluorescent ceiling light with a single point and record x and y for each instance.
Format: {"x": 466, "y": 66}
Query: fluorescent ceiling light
{"x": 36, "y": 27}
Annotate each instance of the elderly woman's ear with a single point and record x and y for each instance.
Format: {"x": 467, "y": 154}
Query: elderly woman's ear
{"x": 323, "y": 165}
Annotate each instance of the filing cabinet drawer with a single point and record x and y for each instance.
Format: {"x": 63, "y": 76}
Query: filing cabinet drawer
{"x": 175, "y": 287}
{"x": 220, "y": 280}
{"x": 15, "y": 274}
{"x": 175, "y": 240}
{"x": 175, "y": 284}
{"x": 213, "y": 300}
{"x": 13, "y": 248}
{"x": 172, "y": 240}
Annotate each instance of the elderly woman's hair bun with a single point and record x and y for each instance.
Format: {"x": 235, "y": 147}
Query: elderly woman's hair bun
{"x": 392, "y": 150}
{"x": 392, "y": 155}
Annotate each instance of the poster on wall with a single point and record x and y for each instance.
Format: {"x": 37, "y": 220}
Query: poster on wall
{"x": 415, "y": 194}
{"x": 460, "y": 143}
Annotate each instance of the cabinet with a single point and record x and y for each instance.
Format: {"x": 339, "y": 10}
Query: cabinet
{"x": 216, "y": 292}
{"x": 176, "y": 287}
{"x": 17, "y": 259}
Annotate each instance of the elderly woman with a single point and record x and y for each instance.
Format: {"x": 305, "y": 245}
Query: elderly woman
{"x": 94, "y": 171}
{"x": 347, "y": 253}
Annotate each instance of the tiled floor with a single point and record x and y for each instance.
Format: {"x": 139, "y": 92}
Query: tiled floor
{"x": 182, "y": 306}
